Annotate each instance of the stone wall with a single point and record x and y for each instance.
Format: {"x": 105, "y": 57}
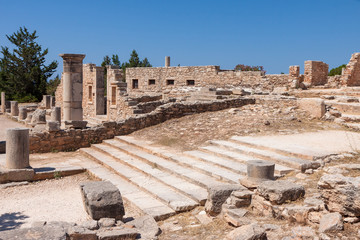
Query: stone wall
{"x": 93, "y": 90}
{"x": 165, "y": 79}
{"x": 72, "y": 139}
{"x": 315, "y": 73}
{"x": 351, "y": 75}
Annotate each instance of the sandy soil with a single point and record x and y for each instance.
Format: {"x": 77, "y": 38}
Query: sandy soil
{"x": 49, "y": 200}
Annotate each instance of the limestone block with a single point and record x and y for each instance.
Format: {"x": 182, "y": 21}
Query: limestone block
{"x": 17, "y": 148}
{"x": 241, "y": 198}
{"x": 331, "y": 222}
{"x": 16, "y": 175}
{"x": 314, "y": 106}
{"x": 46, "y": 232}
{"x": 147, "y": 227}
{"x": 126, "y": 233}
{"x": 75, "y": 124}
{"x": 56, "y": 114}
{"x": 106, "y": 222}
{"x": 81, "y": 233}
{"x": 102, "y": 200}
{"x": 280, "y": 191}
{"x": 341, "y": 194}
{"x": 38, "y": 117}
{"x": 52, "y": 126}
{"x": 247, "y": 232}
{"x": 217, "y": 196}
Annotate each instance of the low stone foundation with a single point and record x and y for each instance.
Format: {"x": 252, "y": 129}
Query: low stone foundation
{"x": 72, "y": 139}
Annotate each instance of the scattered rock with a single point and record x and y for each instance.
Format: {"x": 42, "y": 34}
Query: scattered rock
{"x": 80, "y": 233}
{"x": 102, "y": 200}
{"x": 147, "y": 227}
{"x": 239, "y": 199}
{"x": 38, "y": 116}
{"x": 247, "y": 232}
{"x": 280, "y": 191}
{"x": 303, "y": 233}
{"x": 45, "y": 232}
{"x": 341, "y": 194}
{"x": 203, "y": 218}
{"x": 217, "y": 196}
{"x": 106, "y": 222}
{"x": 236, "y": 217}
{"x": 126, "y": 233}
{"x": 331, "y": 222}
{"x": 90, "y": 224}
{"x": 260, "y": 205}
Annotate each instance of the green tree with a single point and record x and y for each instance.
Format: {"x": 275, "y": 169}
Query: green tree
{"x": 23, "y": 72}
{"x": 52, "y": 85}
{"x": 115, "y": 60}
{"x": 145, "y": 63}
{"x": 134, "y": 60}
{"x": 337, "y": 70}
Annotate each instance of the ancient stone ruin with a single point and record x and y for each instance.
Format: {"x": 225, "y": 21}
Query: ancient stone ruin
{"x": 297, "y": 182}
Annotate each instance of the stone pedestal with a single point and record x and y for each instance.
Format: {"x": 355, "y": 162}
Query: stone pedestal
{"x": 56, "y": 114}
{"x": 72, "y": 87}
{"x": 3, "y": 104}
{"x": 14, "y": 109}
{"x": 47, "y": 101}
{"x": 22, "y": 113}
{"x": 52, "y": 126}
{"x": 17, "y": 148}
{"x": 257, "y": 172}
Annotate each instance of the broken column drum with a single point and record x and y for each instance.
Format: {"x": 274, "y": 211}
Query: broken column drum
{"x": 73, "y": 86}
{"x": 14, "y": 109}
{"x": 17, "y": 148}
{"x": 56, "y": 114}
{"x": 260, "y": 169}
{"x": 167, "y": 61}
{"x": 22, "y": 113}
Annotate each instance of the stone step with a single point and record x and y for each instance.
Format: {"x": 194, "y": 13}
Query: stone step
{"x": 353, "y": 126}
{"x": 201, "y": 166}
{"x": 294, "y": 151}
{"x": 178, "y": 202}
{"x": 292, "y": 162}
{"x": 165, "y": 164}
{"x": 134, "y": 195}
{"x": 242, "y": 158}
{"x": 350, "y": 118}
{"x": 345, "y": 108}
{"x": 191, "y": 190}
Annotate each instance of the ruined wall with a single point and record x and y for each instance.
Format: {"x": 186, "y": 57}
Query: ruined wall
{"x": 351, "y": 75}
{"x": 316, "y": 73}
{"x": 72, "y": 139}
{"x": 93, "y": 90}
{"x": 164, "y": 79}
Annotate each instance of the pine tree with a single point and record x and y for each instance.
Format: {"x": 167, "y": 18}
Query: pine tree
{"x": 134, "y": 60}
{"x": 23, "y": 73}
{"x": 145, "y": 63}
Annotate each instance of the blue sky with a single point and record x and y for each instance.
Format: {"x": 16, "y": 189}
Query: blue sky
{"x": 275, "y": 34}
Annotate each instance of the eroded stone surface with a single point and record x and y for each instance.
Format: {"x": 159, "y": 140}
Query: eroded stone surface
{"x": 281, "y": 191}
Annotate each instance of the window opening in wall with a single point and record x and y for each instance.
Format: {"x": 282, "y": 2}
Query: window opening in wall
{"x": 135, "y": 83}
{"x": 90, "y": 94}
{"x": 113, "y": 95}
{"x": 190, "y": 82}
{"x": 170, "y": 82}
{"x": 151, "y": 81}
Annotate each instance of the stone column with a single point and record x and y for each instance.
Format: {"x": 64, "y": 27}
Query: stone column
{"x": 47, "y": 103}
{"x": 167, "y": 61}
{"x": 52, "y": 101}
{"x": 22, "y": 113}
{"x": 73, "y": 89}
{"x": 14, "y": 109}
{"x": 17, "y": 148}
{"x": 56, "y": 114}
{"x": 3, "y": 104}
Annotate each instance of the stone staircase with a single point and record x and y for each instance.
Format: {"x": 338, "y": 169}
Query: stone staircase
{"x": 161, "y": 182}
{"x": 350, "y": 111}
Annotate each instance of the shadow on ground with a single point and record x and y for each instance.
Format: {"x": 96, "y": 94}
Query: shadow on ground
{"x": 9, "y": 221}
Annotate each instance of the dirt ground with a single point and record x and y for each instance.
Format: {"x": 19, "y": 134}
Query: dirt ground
{"x": 189, "y": 132}
{"x": 6, "y": 123}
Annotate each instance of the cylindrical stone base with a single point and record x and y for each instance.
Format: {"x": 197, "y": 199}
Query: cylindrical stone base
{"x": 14, "y": 109}
{"x": 260, "y": 169}
{"x": 17, "y": 148}
{"x": 22, "y": 113}
{"x": 56, "y": 114}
